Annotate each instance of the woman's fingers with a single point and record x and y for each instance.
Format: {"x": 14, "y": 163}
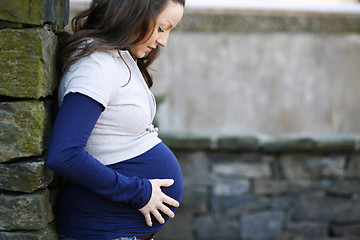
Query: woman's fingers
{"x": 157, "y": 202}
{"x": 170, "y": 201}
{"x": 167, "y": 211}
{"x": 148, "y": 219}
{"x": 158, "y": 217}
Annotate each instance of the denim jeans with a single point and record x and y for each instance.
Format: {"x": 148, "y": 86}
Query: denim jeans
{"x": 122, "y": 238}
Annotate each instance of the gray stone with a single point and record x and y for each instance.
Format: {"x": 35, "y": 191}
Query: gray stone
{"x": 284, "y": 203}
{"x": 316, "y": 208}
{"x": 242, "y": 170}
{"x": 45, "y": 234}
{"x": 25, "y": 176}
{"x": 178, "y": 228}
{"x": 23, "y": 126}
{"x": 351, "y": 230}
{"x": 307, "y": 230}
{"x": 319, "y": 143}
{"x": 236, "y": 206}
{"x": 302, "y": 166}
{"x": 230, "y": 187}
{"x": 241, "y": 143}
{"x": 186, "y": 141}
{"x": 25, "y": 211}
{"x": 195, "y": 167}
{"x": 334, "y": 143}
{"x": 288, "y": 143}
{"x": 231, "y": 156}
{"x": 276, "y": 187}
{"x": 28, "y": 55}
{"x": 353, "y": 168}
{"x": 216, "y": 227}
{"x": 345, "y": 188}
{"x": 36, "y": 12}
{"x": 262, "y": 225}
{"x": 195, "y": 198}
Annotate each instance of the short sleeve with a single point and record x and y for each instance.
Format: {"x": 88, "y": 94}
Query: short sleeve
{"x": 92, "y": 76}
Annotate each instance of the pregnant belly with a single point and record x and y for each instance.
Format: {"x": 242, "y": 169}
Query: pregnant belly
{"x": 157, "y": 163}
{"x": 102, "y": 216}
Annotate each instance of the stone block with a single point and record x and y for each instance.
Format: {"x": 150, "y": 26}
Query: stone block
{"x": 45, "y": 234}
{"x": 24, "y": 176}
{"x": 23, "y": 126}
{"x": 351, "y": 230}
{"x": 186, "y": 141}
{"x": 316, "y": 144}
{"x": 334, "y": 143}
{"x": 307, "y": 230}
{"x": 243, "y": 170}
{"x": 353, "y": 168}
{"x": 230, "y": 156}
{"x": 288, "y": 143}
{"x": 28, "y": 55}
{"x": 276, "y": 187}
{"x": 262, "y": 225}
{"x": 195, "y": 198}
{"x": 243, "y": 143}
{"x": 37, "y": 12}
{"x": 236, "y": 206}
{"x": 216, "y": 227}
{"x": 283, "y": 203}
{"x": 178, "y": 228}
{"x": 302, "y": 166}
{"x": 195, "y": 168}
{"x": 317, "y": 208}
{"x": 347, "y": 188}
{"x": 230, "y": 187}
{"x": 25, "y": 211}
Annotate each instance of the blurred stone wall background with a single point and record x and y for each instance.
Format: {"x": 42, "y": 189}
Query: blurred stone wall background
{"x": 260, "y": 107}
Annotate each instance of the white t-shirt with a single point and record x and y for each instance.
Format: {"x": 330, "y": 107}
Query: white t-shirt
{"x": 124, "y": 129}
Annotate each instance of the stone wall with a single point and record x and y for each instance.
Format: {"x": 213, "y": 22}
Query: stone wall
{"x": 289, "y": 187}
{"x": 28, "y": 46}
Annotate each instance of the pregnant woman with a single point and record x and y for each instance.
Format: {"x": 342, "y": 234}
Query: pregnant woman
{"x": 122, "y": 181}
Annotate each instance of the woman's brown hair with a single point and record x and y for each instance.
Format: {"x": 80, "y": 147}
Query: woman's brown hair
{"x": 112, "y": 24}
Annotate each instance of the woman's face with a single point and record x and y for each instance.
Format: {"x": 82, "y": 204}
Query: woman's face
{"x": 166, "y": 21}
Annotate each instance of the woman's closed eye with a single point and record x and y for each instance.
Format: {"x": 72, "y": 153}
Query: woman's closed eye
{"x": 161, "y": 29}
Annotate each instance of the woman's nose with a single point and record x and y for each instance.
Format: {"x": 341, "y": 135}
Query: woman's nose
{"x": 162, "y": 40}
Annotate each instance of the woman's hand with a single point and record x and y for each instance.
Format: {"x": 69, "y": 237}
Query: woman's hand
{"x": 157, "y": 202}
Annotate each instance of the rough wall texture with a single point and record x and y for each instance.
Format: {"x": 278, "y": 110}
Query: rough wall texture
{"x": 27, "y": 82}
{"x": 235, "y": 72}
{"x": 256, "y": 188}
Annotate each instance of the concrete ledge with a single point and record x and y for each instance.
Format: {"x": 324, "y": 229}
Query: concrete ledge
{"x": 245, "y": 20}
{"x": 317, "y": 143}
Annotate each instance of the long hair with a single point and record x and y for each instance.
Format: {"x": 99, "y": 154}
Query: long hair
{"x": 110, "y": 25}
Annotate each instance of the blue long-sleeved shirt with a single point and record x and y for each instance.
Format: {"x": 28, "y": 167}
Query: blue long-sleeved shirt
{"x": 98, "y": 201}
